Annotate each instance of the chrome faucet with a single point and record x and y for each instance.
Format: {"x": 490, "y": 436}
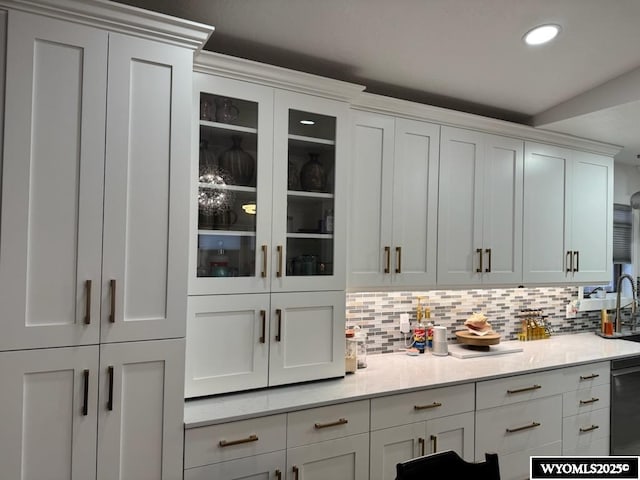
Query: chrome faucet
{"x": 633, "y": 304}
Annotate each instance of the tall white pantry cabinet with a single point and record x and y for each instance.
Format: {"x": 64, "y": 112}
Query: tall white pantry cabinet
{"x": 93, "y": 240}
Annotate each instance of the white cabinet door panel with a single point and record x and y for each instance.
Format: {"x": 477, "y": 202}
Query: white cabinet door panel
{"x": 502, "y": 210}
{"x": 415, "y": 199}
{"x": 52, "y": 182}
{"x": 227, "y": 343}
{"x": 45, "y": 432}
{"x": 141, "y": 406}
{"x": 545, "y": 214}
{"x": 307, "y": 336}
{"x": 146, "y": 190}
{"x": 345, "y": 458}
{"x": 455, "y": 432}
{"x": 592, "y": 217}
{"x": 394, "y": 445}
{"x": 459, "y": 221}
{"x": 371, "y": 199}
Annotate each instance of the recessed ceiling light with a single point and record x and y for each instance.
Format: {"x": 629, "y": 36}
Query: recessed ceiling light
{"x": 541, "y": 34}
{"x": 307, "y": 122}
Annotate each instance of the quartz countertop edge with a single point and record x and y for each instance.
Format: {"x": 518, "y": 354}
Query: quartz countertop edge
{"x": 396, "y": 373}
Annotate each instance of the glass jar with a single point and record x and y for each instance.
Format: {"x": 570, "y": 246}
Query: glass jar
{"x": 350, "y": 352}
{"x": 361, "y": 347}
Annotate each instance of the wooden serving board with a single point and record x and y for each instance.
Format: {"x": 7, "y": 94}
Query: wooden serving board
{"x": 469, "y": 338}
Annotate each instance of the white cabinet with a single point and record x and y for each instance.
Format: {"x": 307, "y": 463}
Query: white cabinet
{"x": 52, "y": 414}
{"x": 238, "y": 342}
{"x": 393, "y": 203}
{"x": 268, "y": 219}
{"x": 410, "y": 425}
{"x": 269, "y": 191}
{"x": 568, "y": 211}
{"x": 68, "y": 273}
{"x": 269, "y": 466}
{"x": 479, "y": 208}
{"x": 94, "y": 240}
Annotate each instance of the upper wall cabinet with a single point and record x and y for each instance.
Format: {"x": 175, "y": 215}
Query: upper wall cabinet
{"x": 269, "y": 189}
{"x": 92, "y": 235}
{"x": 479, "y": 209}
{"x": 393, "y": 202}
{"x": 568, "y": 211}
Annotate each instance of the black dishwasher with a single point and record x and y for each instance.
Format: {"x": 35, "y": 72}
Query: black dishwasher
{"x": 625, "y": 406}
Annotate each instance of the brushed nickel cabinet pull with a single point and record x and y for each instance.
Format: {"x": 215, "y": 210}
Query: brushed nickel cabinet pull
{"x": 110, "y": 396}
{"x": 112, "y": 313}
{"x": 249, "y": 439}
{"x": 341, "y": 421}
{"x": 434, "y": 441}
{"x": 589, "y": 429}
{"x": 587, "y": 402}
{"x": 488, "y": 251}
{"x": 387, "y": 259}
{"x": 295, "y": 471}
{"x": 589, "y": 377}
{"x": 421, "y": 444}
{"x": 278, "y": 475}
{"x": 263, "y": 274}
{"x": 87, "y": 309}
{"x": 525, "y": 389}
{"x": 570, "y": 262}
{"x": 576, "y": 254}
{"x": 279, "y": 271}
{"x": 424, "y": 407}
{"x": 525, "y": 427}
{"x": 398, "y": 259}
{"x": 479, "y": 252}
{"x": 263, "y": 319}
{"x": 279, "y": 334}
{"x": 85, "y": 393}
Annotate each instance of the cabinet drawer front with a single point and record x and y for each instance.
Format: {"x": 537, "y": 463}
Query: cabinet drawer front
{"x": 326, "y": 423}
{"x": 516, "y": 427}
{"x": 585, "y": 400}
{"x": 418, "y": 406}
{"x": 579, "y": 431}
{"x": 598, "y": 447}
{"x": 504, "y": 391}
{"x": 228, "y": 441}
{"x": 583, "y": 376}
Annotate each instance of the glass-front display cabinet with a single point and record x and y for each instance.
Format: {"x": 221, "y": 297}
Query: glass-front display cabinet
{"x": 267, "y": 188}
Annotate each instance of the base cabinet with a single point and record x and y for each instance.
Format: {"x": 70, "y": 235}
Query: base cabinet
{"x": 399, "y": 444}
{"x": 269, "y": 466}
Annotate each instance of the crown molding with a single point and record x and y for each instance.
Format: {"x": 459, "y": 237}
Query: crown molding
{"x": 418, "y": 111}
{"x": 117, "y": 17}
{"x": 270, "y": 75}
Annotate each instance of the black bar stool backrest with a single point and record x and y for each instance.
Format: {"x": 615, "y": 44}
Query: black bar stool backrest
{"x": 448, "y": 465}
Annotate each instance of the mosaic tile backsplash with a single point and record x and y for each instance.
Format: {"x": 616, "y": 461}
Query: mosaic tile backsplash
{"x": 378, "y": 313}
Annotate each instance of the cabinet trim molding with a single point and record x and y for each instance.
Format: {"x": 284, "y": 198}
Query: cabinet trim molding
{"x": 117, "y": 17}
{"x": 272, "y": 76}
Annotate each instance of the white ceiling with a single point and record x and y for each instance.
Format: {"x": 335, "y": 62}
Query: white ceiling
{"x": 462, "y": 54}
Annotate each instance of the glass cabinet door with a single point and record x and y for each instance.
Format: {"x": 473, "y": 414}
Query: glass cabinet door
{"x": 308, "y": 168}
{"x": 233, "y": 186}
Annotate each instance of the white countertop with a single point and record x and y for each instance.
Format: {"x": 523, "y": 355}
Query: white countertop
{"x": 397, "y": 373}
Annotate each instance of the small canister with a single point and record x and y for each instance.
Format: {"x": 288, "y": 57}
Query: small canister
{"x": 350, "y": 352}
{"x": 440, "y": 346}
{"x": 361, "y": 341}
